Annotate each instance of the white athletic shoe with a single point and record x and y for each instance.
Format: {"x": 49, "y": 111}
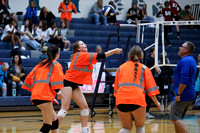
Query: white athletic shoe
{"x": 149, "y": 116}
{"x": 22, "y": 48}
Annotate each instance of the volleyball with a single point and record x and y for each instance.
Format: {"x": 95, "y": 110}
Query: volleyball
{"x": 108, "y": 10}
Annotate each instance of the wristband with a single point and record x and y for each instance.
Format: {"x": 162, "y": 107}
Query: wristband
{"x": 178, "y": 94}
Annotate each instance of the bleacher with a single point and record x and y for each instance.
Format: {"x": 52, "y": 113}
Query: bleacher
{"x": 94, "y": 35}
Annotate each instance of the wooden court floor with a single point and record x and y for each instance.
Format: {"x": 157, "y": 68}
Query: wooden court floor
{"x": 31, "y": 121}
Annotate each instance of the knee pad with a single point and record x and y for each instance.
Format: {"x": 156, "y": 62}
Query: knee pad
{"x": 45, "y": 128}
{"x": 85, "y": 112}
{"x": 54, "y": 125}
{"x": 140, "y": 130}
{"x": 124, "y": 130}
{"x": 62, "y": 113}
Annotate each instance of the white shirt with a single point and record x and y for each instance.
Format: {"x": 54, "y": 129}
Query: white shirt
{"x": 63, "y": 33}
{"x": 50, "y": 32}
{"x": 24, "y": 35}
{"x": 6, "y": 29}
{"x": 40, "y": 33}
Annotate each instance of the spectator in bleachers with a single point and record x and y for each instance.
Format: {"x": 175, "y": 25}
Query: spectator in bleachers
{"x": 98, "y": 49}
{"x": 3, "y": 22}
{"x": 174, "y": 5}
{"x": 62, "y": 32}
{"x": 9, "y": 34}
{"x": 43, "y": 56}
{"x": 96, "y": 13}
{"x": 167, "y": 14}
{"x": 112, "y": 19}
{"x": 41, "y": 32}
{"x": 31, "y": 13}
{"x": 142, "y": 15}
{"x": 3, "y": 9}
{"x": 13, "y": 15}
{"x": 52, "y": 36}
{"x": 185, "y": 15}
{"x": 67, "y": 8}
{"x": 3, "y": 77}
{"x": 131, "y": 15}
{"x": 47, "y": 16}
{"x": 16, "y": 75}
{"x": 27, "y": 35}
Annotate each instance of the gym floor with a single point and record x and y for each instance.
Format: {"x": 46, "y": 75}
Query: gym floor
{"x": 31, "y": 121}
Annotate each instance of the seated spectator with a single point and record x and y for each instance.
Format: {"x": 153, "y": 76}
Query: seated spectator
{"x": 67, "y": 8}
{"x": 3, "y": 76}
{"x": 96, "y": 13}
{"x": 31, "y": 13}
{"x": 185, "y": 14}
{"x": 43, "y": 56}
{"x": 41, "y": 33}
{"x": 3, "y": 22}
{"x": 112, "y": 19}
{"x": 62, "y": 32}
{"x": 52, "y": 36}
{"x": 131, "y": 15}
{"x": 13, "y": 15}
{"x": 142, "y": 15}
{"x": 9, "y": 34}
{"x": 3, "y": 9}
{"x": 16, "y": 75}
{"x": 27, "y": 35}
{"x": 98, "y": 49}
{"x": 47, "y": 16}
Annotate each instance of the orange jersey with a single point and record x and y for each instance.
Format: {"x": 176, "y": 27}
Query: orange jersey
{"x": 66, "y": 15}
{"x": 81, "y": 68}
{"x": 128, "y": 91}
{"x": 42, "y": 81}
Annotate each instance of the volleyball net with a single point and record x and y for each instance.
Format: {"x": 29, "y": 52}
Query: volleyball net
{"x": 159, "y": 25}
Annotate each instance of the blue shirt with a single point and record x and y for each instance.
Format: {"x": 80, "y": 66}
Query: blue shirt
{"x": 2, "y": 75}
{"x": 185, "y": 73}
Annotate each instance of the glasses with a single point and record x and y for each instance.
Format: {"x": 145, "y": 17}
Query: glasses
{"x": 183, "y": 47}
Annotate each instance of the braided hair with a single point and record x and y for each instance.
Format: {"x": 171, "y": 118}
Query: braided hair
{"x": 135, "y": 54}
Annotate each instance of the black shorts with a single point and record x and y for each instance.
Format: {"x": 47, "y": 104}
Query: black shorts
{"x": 71, "y": 84}
{"x": 176, "y": 18}
{"x": 38, "y": 102}
{"x": 127, "y": 107}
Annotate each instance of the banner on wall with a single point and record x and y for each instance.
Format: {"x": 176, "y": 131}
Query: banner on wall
{"x": 91, "y": 88}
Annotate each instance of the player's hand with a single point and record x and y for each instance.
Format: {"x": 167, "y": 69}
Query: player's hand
{"x": 118, "y": 50}
{"x": 158, "y": 105}
{"x": 60, "y": 96}
{"x": 177, "y": 98}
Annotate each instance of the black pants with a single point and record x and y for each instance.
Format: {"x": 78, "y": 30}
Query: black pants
{"x": 166, "y": 30}
{"x": 58, "y": 42}
{"x": 112, "y": 19}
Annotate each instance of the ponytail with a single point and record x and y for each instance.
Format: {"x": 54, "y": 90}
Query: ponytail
{"x": 135, "y": 54}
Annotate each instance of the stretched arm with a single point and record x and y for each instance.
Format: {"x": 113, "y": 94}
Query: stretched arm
{"x": 113, "y": 51}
